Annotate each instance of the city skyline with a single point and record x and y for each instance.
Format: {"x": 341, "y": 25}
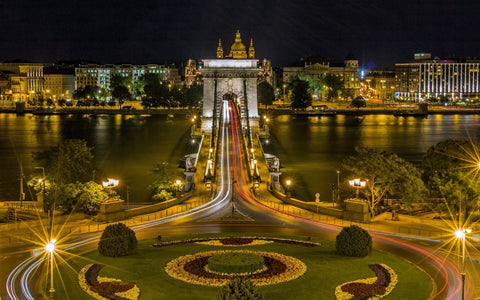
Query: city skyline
{"x": 378, "y": 34}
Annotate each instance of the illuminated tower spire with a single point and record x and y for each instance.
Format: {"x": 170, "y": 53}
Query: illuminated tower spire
{"x": 251, "y": 50}
{"x": 219, "y": 49}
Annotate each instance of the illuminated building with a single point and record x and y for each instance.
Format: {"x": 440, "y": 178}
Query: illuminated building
{"x": 192, "y": 75}
{"x": 425, "y": 77}
{"x": 59, "y": 86}
{"x": 317, "y": 66}
{"x": 101, "y": 75}
{"x": 25, "y": 79}
{"x": 380, "y": 84}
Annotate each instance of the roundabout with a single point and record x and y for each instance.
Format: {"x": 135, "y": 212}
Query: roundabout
{"x": 293, "y": 271}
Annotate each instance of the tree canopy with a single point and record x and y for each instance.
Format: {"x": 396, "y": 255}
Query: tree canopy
{"x": 450, "y": 170}
{"x": 265, "y": 93}
{"x": 387, "y": 175}
{"x": 334, "y": 84}
{"x": 301, "y": 98}
{"x": 70, "y": 161}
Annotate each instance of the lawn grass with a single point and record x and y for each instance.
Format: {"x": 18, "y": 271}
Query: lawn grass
{"x": 326, "y": 270}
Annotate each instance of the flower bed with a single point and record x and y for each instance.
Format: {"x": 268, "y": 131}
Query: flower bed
{"x": 105, "y": 288}
{"x": 370, "y": 288}
{"x": 191, "y": 268}
{"x": 237, "y": 241}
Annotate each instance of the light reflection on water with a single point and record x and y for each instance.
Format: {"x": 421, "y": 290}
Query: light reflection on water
{"x": 126, "y": 146}
{"x": 311, "y": 149}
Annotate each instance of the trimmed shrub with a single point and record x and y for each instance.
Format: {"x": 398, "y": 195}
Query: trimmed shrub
{"x": 353, "y": 241}
{"x": 117, "y": 240}
{"x": 236, "y": 262}
{"x": 239, "y": 289}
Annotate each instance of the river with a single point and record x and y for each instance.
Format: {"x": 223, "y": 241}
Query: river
{"x": 125, "y": 146}
{"x": 311, "y": 149}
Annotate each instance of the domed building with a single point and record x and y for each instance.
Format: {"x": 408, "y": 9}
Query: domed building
{"x": 237, "y": 50}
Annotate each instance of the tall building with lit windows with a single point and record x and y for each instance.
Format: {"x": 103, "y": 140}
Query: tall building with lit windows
{"x": 101, "y": 75}
{"x": 425, "y": 77}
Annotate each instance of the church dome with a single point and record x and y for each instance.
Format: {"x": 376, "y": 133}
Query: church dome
{"x": 238, "y": 49}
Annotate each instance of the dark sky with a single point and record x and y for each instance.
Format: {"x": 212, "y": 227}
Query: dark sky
{"x": 377, "y": 32}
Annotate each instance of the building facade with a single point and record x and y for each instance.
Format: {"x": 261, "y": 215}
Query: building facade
{"x": 59, "y": 86}
{"x": 379, "y": 84}
{"x": 347, "y": 69}
{"x": 425, "y": 78}
{"x": 101, "y": 75}
{"x": 26, "y": 80}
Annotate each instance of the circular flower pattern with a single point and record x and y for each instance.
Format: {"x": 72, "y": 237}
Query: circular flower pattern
{"x": 191, "y": 268}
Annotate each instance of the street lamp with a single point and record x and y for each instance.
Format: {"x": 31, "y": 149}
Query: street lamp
{"x": 284, "y": 86}
{"x": 178, "y": 183}
{"x": 50, "y": 249}
{"x": 110, "y": 183}
{"x": 461, "y": 234}
{"x": 357, "y": 184}
{"x": 288, "y": 182}
{"x": 338, "y": 186}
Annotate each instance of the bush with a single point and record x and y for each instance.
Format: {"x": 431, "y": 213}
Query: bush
{"x": 239, "y": 289}
{"x": 117, "y": 240}
{"x": 353, "y": 241}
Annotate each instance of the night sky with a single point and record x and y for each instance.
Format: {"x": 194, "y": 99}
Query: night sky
{"x": 379, "y": 33}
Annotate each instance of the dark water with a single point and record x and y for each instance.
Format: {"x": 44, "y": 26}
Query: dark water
{"x": 126, "y": 147}
{"x": 311, "y": 149}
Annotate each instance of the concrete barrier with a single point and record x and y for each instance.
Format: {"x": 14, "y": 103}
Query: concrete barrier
{"x": 132, "y": 212}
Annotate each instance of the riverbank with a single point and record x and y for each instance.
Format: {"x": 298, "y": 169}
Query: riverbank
{"x": 103, "y": 111}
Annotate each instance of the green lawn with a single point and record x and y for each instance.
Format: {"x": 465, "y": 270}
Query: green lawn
{"x": 326, "y": 270}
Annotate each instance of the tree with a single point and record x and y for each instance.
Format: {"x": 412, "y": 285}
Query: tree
{"x": 334, "y": 84}
{"x": 239, "y": 289}
{"x": 85, "y": 197}
{"x": 70, "y": 161}
{"x": 164, "y": 186}
{"x": 193, "y": 95}
{"x": 359, "y": 102}
{"x": 301, "y": 98}
{"x": 386, "y": 175}
{"x": 117, "y": 240}
{"x": 265, "y": 93}
{"x": 315, "y": 83}
{"x": 121, "y": 93}
{"x": 353, "y": 241}
{"x": 449, "y": 170}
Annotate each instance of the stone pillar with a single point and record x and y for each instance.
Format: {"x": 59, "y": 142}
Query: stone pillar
{"x": 252, "y": 97}
{"x": 275, "y": 181}
{"x": 189, "y": 180}
{"x": 208, "y": 97}
{"x": 111, "y": 210}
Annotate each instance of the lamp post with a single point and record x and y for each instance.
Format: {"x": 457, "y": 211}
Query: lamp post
{"x": 288, "y": 182}
{"x": 110, "y": 184}
{"x": 43, "y": 186}
{"x": 284, "y": 86}
{"x": 338, "y": 186}
{"x": 50, "y": 249}
{"x": 357, "y": 184}
{"x": 178, "y": 183}
{"x": 461, "y": 234}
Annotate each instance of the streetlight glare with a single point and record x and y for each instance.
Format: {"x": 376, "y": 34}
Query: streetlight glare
{"x": 178, "y": 182}
{"x": 50, "y": 247}
{"x": 111, "y": 183}
{"x": 459, "y": 234}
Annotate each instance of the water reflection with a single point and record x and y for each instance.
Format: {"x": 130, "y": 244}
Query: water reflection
{"x": 312, "y": 148}
{"x": 126, "y": 146}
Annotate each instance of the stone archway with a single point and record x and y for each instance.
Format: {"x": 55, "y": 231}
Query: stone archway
{"x": 230, "y": 77}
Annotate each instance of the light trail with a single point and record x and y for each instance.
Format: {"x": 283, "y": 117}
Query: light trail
{"x": 27, "y": 268}
{"x": 448, "y": 270}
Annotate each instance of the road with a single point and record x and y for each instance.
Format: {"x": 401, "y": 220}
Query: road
{"x": 19, "y": 284}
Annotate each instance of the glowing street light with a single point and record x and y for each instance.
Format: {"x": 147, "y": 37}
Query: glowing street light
{"x": 111, "y": 183}
{"x": 288, "y": 182}
{"x": 461, "y": 234}
{"x": 358, "y": 184}
{"x": 50, "y": 249}
{"x": 178, "y": 182}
